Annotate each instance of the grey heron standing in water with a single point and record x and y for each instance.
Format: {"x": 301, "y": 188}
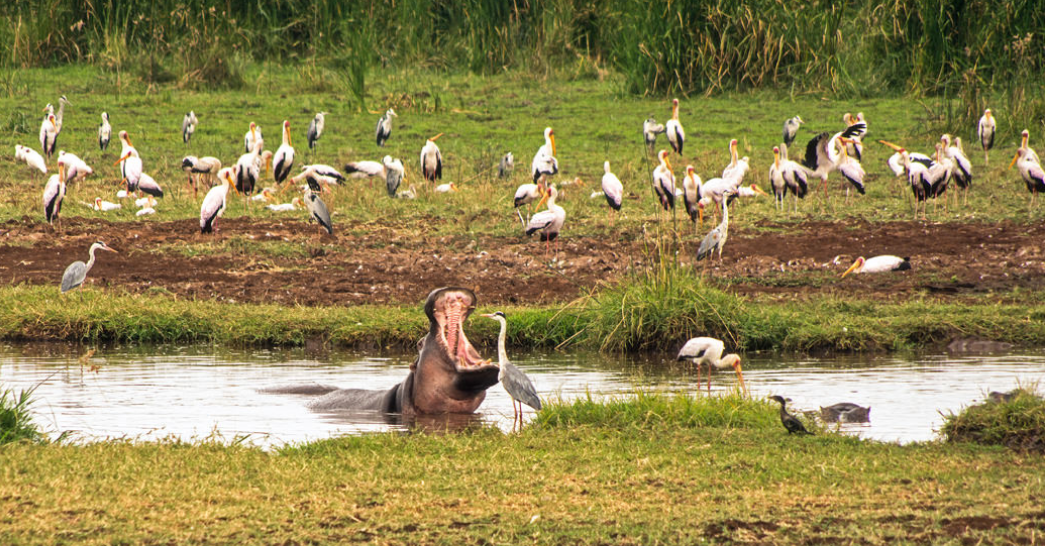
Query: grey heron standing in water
{"x": 76, "y": 273}
{"x": 514, "y": 380}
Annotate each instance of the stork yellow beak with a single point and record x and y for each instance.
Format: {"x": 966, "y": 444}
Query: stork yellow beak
{"x": 552, "y": 138}
{"x": 544, "y": 198}
{"x": 286, "y": 128}
{"x": 851, "y": 268}
{"x": 668, "y": 163}
{"x": 891, "y": 145}
{"x": 1014, "y": 160}
{"x": 435, "y": 137}
{"x": 740, "y": 376}
{"x": 121, "y": 160}
{"x": 758, "y": 190}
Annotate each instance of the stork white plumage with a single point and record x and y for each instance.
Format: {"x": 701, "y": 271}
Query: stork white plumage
{"x": 823, "y": 154}
{"x": 31, "y": 157}
{"x": 776, "y": 180}
{"x": 201, "y": 170}
{"x": 365, "y": 169}
{"x": 1025, "y": 145}
{"x": 549, "y": 222}
{"x": 985, "y": 129}
{"x": 248, "y": 168}
{"x": 384, "y": 127}
{"x": 879, "y": 264}
{"x": 431, "y": 160}
{"x": 526, "y": 194}
{"x": 613, "y": 189}
{"x": 104, "y": 206}
{"x": 691, "y": 194}
{"x": 130, "y": 163}
{"x": 544, "y": 161}
{"x": 673, "y": 129}
{"x": 49, "y": 135}
{"x": 215, "y": 201}
{"x": 149, "y": 186}
{"x": 961, "y": 167}
{"x": 283, "y": 159}
{"x": 664, "y": 182}
{"x": 850, "y": 169}
{"x": 707, "y": 351}
{"x": 252, "y": 138}
{"x": 1031, "y": 171}
{"x": 104, "y": 132}
{"x": 76, "y": 169}
{"x": 795, "y": 175}
{"x": 54, "y": 194}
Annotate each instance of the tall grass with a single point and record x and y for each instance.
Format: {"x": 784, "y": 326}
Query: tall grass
{"x": 854, "y": 48}
{"x": 16, "y": 424}
{"x": 1018, "y": 423}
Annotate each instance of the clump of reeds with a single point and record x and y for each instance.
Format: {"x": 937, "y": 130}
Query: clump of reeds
{"x": 1015, "y": 420}
{"x": 16, "y": 423}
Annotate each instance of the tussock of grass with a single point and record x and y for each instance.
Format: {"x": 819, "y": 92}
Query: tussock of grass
{"x": 646, "y": 410}
{"x": 16, "y": 423}
{"x": 1018, "y": 423}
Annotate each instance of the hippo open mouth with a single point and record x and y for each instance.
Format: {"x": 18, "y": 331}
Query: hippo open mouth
{"x": 450, "y": 310}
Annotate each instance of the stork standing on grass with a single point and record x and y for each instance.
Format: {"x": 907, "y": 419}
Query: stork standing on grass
{"x": 215, "y": 201}
{"x": 676, "y": 135}
{"x": 431, "y": 160}
{"x": 283, "y": 160}
{"x": 612, "y": 189}
{"x": 985, "y": 130}
{"x": 549, "y": 222}
{"x": 54, "y": 194}
{"x": 49, "y": 135}
{"x": 104, "y": 132}
{"x": 544, "y": 161}
{"x": 252, "y": 138}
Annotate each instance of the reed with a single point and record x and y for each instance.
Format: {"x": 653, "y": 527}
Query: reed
{"x": 16, "y": 422}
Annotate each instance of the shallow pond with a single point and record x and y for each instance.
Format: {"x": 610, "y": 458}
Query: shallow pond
{"x": 196, "y": 392}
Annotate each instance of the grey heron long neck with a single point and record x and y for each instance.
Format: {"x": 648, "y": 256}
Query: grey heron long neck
{"x": 502, "y": 354}
{"x": 90, "y": 262}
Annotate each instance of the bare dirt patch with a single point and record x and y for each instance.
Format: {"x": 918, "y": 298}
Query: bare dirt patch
{"x": 370, "y": 263}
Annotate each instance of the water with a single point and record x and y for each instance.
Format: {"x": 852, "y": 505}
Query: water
{"x": 149, "y": 393}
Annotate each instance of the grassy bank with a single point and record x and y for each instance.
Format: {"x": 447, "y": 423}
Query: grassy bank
{"x": 671, "y": 479}
{"x": 634, "y": 316}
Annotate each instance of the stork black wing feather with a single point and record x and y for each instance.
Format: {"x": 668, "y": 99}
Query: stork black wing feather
{"x": 855, "y": 130}
{"x": 810, "y": 159}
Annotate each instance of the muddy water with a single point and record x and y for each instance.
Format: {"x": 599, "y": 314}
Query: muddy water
{"x": 194, "y": 392}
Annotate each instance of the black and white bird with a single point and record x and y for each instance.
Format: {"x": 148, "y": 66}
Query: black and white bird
{"x": 691, "y": 194}
{"x": 188, "y": 126}
{"x": 104, "y": 132}
{"x": 526, "y": 194}
{"x": 1031, "y": 171}
{"x": 77, "y": 271}
{"x": 315, "y": 129}
{"x": 791, "y": 127}
{"x": 790, "y": 422}
{"x": 283, "y": 159}
{"x": 985, "y": 130}
{"x": 49, "y": 136}
{"x": 252, "y": 138}
{"x": 506, "y": 166}
{"x": 384, "y": 127}
{"x": 707, "y": 352}
{"x": 650, "y": 130}
{"x": 664, "y": 182}
{"x": 676, "y": 135}
{"x": 549, "y": 222}
{"x": 823, "y": 153}
{"x": 431, "y": 160}
{"x": 961, "y": 167}
{"x": 544, "y": 161}
{"x": 54, "y": 194}
{"x": 879, "y": 264}
{"x": 317, "y": 210}
{"x": 201, "y": 170}
{"x": 613, "y": 189}
{"x": 215, "y": 201}
{"x": 515, "y": 382}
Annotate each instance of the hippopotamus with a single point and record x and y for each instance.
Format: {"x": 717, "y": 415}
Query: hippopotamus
{"x": 448, "y": 376}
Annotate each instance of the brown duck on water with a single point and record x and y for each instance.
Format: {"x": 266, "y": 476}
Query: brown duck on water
{"x": 791, "y": 423}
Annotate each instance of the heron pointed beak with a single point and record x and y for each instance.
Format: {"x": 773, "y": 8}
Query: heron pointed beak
{"x": 891, "y": 145}
{"x": 487, "y": 315}
{"x": 1014, "y": 160}
{"x": 852, "y": 268}
{"x": 110, "y": 249}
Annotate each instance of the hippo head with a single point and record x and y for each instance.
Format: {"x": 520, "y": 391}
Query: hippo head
{"x": 449, "y": 376}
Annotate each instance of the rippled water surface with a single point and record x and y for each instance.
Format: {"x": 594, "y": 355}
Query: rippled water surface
{"x": 195, "y": 392}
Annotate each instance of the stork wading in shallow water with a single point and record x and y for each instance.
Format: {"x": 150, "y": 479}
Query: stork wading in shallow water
{"x": 613, "y": 189}
{"x": 76, "y": 273}
{"x": 790, "y": 422}
{"x": 215, "y": 201}
{"x": 707, "y": 351}
{"x": 549, "y": 222}
{"x": 985, "y": 129}
{"x": 283, "y": 159}
{"x": 673, "y": 129}
{"x": 431, "y": 160}
{"x": 315, "y": 130}
{"x": 879, "y": 264}
{"x": 188, "y": 126}
{"x": 544, "y": 162}
{"x": 54, "y": 194}
{"x": 515, "y": 382}
{"x": 104, "y": 132}
{"x": 384, "y": 127}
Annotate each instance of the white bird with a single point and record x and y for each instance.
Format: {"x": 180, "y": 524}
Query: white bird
{"x": 54, "y": 194}
{"x": 544, "y": 161}
{"x": 105, "y": 206}
{"x": 506, "y": 166}
{"x": 717, "y": 238}
{"x": 878, "y": 264}
{"x": 446, "y": 188}
{"x": 664, "y": 182}
{"x": 395, "y": 173}
{"x": 49, "y": 135}
{"x": 707, "y": 351}
{"x": 145, "y": 211}
{"x": 526, "y": 194}
{"x": 324, "y": 170}
{"x": 131, "y": 168}
{"x": 735, "y": 170}
{"x": 612, "y": 188}
{"x": 776, "y": 179}
{"x": 791, "y": 127}
{"x": 985, "y": 129}
{"x": 31, "y": 157}
{"x": 515, "y": 382}
{"x": 283, "y": 160}
{"x": 188, "y": 126}
{"x": 752, "y": 190}
{"x": 409, "y": 193}
{"x": 1025, "y": 145}
{"x": 104, "y": 132}
{"x": 850, "y": 169}
{"x": 854, "y": 144}
{"x": 676, "y": 135}
{"x": 215, "y": 201}
{"x": 691, "y": 193}
{"x": 650, "y": 130}
{"x": 201, "y": 169}
{"x": 76, "y": 169}
{"x": 1031, "y": 171}
{"x": 823, "y": 155}
{"x": 431, "y": 160}
{"x": 248, "y": 168}
{"x": 961, "y": 167}
{"x": 384, "y": 127}
{"x": 365, "y": 169}
{"x": 146, "y": 206}
{"x": 315, "y": 129}
{"x": 549, "y": 222}
{"x": 795, "y": 175}
{"x": 252, "y": 138}
{"x": 286, "y": 207}
{"x": 317, "y": 177}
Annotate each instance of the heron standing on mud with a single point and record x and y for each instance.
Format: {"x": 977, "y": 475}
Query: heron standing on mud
{"x": 76, "y": 273}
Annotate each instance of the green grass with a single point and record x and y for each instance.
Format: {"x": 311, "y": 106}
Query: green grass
{"x": 669, "y": 477}
{"x": 1018, "y": 423}
{"x": 16, "y": 421}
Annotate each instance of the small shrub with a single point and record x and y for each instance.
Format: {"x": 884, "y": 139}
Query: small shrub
{"x": 1017, "y": 423}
